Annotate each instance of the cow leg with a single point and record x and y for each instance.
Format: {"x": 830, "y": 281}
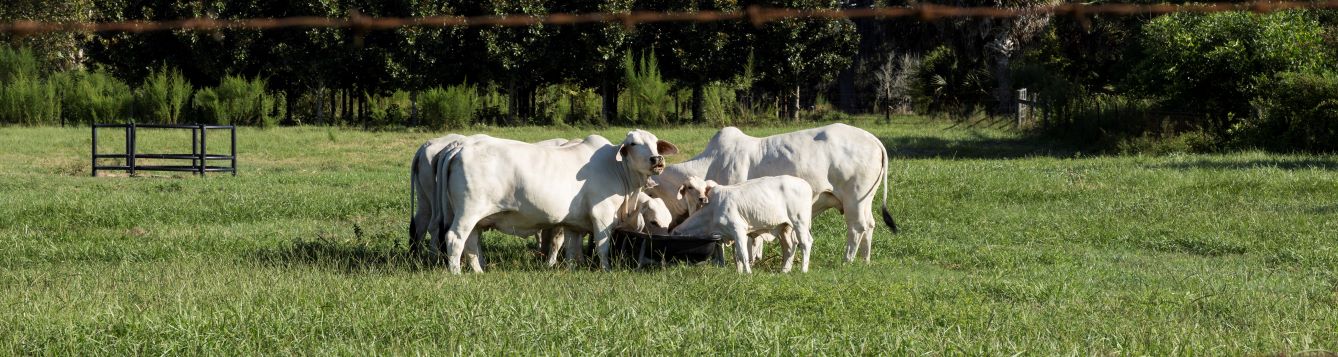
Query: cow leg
{"x": 860, "y": 220}
{"x": 456, "y": 238}
{"x": 555, "y": 238}
{"x": 474, "y": 251}
{"x": 602, "y": 246}
{"x": 575, "y": 250}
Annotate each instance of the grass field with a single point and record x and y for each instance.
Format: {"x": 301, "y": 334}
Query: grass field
{"x": 1009, "y": 245}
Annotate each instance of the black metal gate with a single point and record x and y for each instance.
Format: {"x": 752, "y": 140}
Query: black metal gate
{"x": 199, "y": 155}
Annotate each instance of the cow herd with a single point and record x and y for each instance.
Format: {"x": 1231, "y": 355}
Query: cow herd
{"x": 745, "y": 189}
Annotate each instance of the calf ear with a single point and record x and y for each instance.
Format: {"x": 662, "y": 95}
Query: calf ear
{"x": 666, "y": 148}
{"x": 681, "y": 191}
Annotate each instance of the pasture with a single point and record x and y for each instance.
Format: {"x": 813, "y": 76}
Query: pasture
{"x": 1008, "y": 245}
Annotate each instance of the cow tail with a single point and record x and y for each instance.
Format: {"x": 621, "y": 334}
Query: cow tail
{"x": 887, "y": 217}
{"x": 413, "y": 195}
{"x": 443, "y": 199}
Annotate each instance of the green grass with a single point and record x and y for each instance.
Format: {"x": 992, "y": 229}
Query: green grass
{"x": 1009, "y": 245}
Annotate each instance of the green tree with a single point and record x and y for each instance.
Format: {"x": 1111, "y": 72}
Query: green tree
{"x": 793, "y": 53}
{"x": 697, "y": 54}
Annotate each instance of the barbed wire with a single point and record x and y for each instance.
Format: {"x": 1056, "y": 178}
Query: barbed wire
{"x": 754, "y": 14}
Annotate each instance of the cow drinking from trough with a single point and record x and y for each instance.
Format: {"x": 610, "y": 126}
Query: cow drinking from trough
{"x": 842, "y": 163}
{"x": 521, "y": 188}
{"x": 779, "y": 206}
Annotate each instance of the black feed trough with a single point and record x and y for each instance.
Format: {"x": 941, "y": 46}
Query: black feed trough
{"x": 641, "y": 249}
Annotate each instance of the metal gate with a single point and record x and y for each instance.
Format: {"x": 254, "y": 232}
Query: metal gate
{"x": 199, "y": 155}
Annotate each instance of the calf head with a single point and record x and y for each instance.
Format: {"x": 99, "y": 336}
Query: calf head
{"x": 644, "y": 153}
{"x": 695, "y": 193}
{"x": 656, "y": 216}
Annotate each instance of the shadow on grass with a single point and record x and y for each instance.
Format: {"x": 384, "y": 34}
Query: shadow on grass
{"x": 1289, "y": 164}
{"x": 976, "y": 146}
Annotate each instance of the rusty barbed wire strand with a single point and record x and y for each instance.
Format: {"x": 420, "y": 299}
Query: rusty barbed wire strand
{"x": 754, "y": 14}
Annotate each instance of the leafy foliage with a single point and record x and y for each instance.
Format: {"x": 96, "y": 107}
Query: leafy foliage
{"x": 1216, "y": 63}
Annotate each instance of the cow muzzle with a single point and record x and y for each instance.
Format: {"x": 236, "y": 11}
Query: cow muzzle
{"x": 657, "y": 164}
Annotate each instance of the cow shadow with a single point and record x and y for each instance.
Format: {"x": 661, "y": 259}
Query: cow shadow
{"x": 345, "y": 256}
{"x": 501, "y": 252}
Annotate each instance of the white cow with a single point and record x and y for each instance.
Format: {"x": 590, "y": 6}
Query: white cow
{"x": 521, "y": 188}
{"x": 842, "y": 163}
{"x": 423, "y": 183}
{"x": 649, "y": 216}
{"x": 781, "y": 206}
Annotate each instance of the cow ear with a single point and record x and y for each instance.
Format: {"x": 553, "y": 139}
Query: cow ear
{"x": 681, "y": 191}
{"x": 666, "y": 148}
{"x": 622, "y": 151}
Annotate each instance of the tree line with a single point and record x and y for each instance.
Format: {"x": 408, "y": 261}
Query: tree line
{"x": 1202, "y": 82}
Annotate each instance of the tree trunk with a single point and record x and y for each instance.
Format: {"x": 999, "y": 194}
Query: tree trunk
{"x": 1004, "y": 91}
{"x": 320, "y": 104}
{"x": 794, "y": 110}
{"x": 288, "y": 104}
{"x": 413, "y": 108}
{"x": 609, "y": 101}
{"x": 698, "y": 113}
{"x": 511, "y": 101}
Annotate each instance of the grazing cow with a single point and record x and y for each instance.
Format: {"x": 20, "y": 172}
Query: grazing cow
{"x": 842, "y": 163}
{"x": 780, "y": 206}
{"x": 422, "y": 184}
{"x": 521, "y": 188}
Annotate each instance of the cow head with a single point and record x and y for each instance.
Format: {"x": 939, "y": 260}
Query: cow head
{"x": 694, "y": 193}
{"x": 644, "y": 153}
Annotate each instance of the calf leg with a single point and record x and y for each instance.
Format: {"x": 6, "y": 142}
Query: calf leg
{"x": 804, "y": 241}
{"x": 741, "y": 247}
{"x": 787, "y": 241}
{"x": 756, "y": 246}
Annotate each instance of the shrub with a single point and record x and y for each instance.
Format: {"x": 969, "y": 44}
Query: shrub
{"x": 948, "y": 83}
{"x": 29, "y": 101}
{"x": 240, "y": 101}
{"x": 93, "y": 97}
{"x": 162, "y": 96}
{"x": 452, "y": 107}
{"x": 568, "y": 104}
{"x": 1297, "y": 110}
{"x": 720, "y": 105}
{"x": 16, "y": 63}
{"x": 646, "y": 98}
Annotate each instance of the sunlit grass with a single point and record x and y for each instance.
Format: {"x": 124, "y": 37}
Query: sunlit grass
{"x": 1009, "y": 245}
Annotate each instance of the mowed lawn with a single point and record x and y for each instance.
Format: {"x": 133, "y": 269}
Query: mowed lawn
{"x": 1008, "y": 245}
